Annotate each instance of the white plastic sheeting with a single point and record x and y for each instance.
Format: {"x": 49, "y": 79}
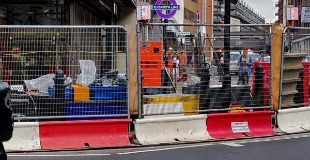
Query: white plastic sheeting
{"x": 40, "y": 84}
{"x": 88, "y": 72}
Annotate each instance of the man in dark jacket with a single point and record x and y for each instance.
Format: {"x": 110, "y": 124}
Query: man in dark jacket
{"x": 6, "y": 120}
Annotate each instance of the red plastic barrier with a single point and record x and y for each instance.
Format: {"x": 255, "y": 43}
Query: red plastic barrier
{"x": 86, "y": 133}
{"x": 236, "y": 125}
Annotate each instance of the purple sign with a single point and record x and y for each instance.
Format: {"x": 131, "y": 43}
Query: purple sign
{"x": 197, "y": 15}
{"x": 174, "y": 7}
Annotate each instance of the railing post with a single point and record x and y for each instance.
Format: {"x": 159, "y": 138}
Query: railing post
{"x": 133, "y": 70}
{"x": 277, "y": 42}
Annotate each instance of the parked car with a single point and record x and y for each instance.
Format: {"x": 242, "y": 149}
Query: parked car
{"x": 266, "y": 59}
{"x": 234, "y": 56}
{"x": 307, "y": 59}
{"x": 255, "y": 56}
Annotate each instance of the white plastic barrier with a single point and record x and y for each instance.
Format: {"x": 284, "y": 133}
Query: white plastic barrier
{"x": 172, "y": 129}
{"x": 294, "y": 120}
{"x": 25, "y": 137}
{"x": 163, "y": 110}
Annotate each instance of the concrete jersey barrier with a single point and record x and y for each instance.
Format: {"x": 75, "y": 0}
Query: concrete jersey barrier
{"x": 25, "y": 137}
{"x": 294, "y": 120}
{"x": 171, "y": 129}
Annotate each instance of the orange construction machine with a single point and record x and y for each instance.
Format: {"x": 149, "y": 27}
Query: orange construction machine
{"x": 151, "y": 63}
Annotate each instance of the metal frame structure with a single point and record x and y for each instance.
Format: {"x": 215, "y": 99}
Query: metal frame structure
{"x": 144, "y": 98}
{"x": 292, "y": 37}
{"x": 89, "y": 45}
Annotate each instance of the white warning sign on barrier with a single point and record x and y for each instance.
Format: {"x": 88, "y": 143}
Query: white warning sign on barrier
{"x": 240, "y": 127}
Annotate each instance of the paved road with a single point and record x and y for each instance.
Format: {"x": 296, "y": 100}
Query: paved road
{"x": 288, "y": 147}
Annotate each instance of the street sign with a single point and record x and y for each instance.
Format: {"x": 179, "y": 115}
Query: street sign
{"x": 183, "y": 34}
{"x": 305, "y": 14}
{"x": 292, "y": 13}
{"x": 143, "y": 13}
{"x": 158, "y": 7}
{"x": 166, "y": 7}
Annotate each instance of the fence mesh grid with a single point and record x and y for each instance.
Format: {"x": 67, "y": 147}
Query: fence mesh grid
{"x": 182, "y": 68}
{"x": 65, "y": 71}
{"x": 295, "y": 77}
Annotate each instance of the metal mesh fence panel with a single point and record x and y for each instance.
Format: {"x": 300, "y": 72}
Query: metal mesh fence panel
{"x": 182, "y": 68}
{"x": 65, "y": 72}
{"x": 295, "y": 66}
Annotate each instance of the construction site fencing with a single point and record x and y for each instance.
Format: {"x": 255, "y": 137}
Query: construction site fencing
{"x": 185, "y": 70}
{"x": 295, "y": 67}
{"x": 65, "y": 72}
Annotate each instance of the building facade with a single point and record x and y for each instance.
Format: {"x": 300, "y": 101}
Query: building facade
{"x": 295, "y": 3}
{"x": 241, "y": 13}
{"x": 280, "y": 11}
{"x": 61, "y": 12}
{"x": 66, "y": 12}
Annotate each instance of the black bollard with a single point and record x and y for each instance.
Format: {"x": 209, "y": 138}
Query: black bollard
{"x": 226, "y": 85}
{"x": 59, "y": 93}
{"x": 259, "y": 86}
{"x": 6, "y": 119}
{"x": 204, "y": 86}
{"x": 3, "y": 155}
{"x": 299, "y": 96}
{"x": 224, "y": 96}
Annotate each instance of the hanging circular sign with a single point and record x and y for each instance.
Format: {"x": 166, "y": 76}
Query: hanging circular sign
{"x": 158, "y": 7}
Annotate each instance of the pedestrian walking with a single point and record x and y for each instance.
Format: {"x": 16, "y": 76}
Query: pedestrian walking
{"x": 245, "y": 64}
{"x": 183, "y": 62}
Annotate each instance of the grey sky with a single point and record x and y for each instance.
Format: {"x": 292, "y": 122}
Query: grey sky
{"x": 265, "y": 7}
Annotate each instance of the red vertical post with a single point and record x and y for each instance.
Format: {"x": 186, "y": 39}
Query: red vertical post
{"x": 52, "y": 69}
{"x": 306, "y": 82}
{"x": 67, "y": 71}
